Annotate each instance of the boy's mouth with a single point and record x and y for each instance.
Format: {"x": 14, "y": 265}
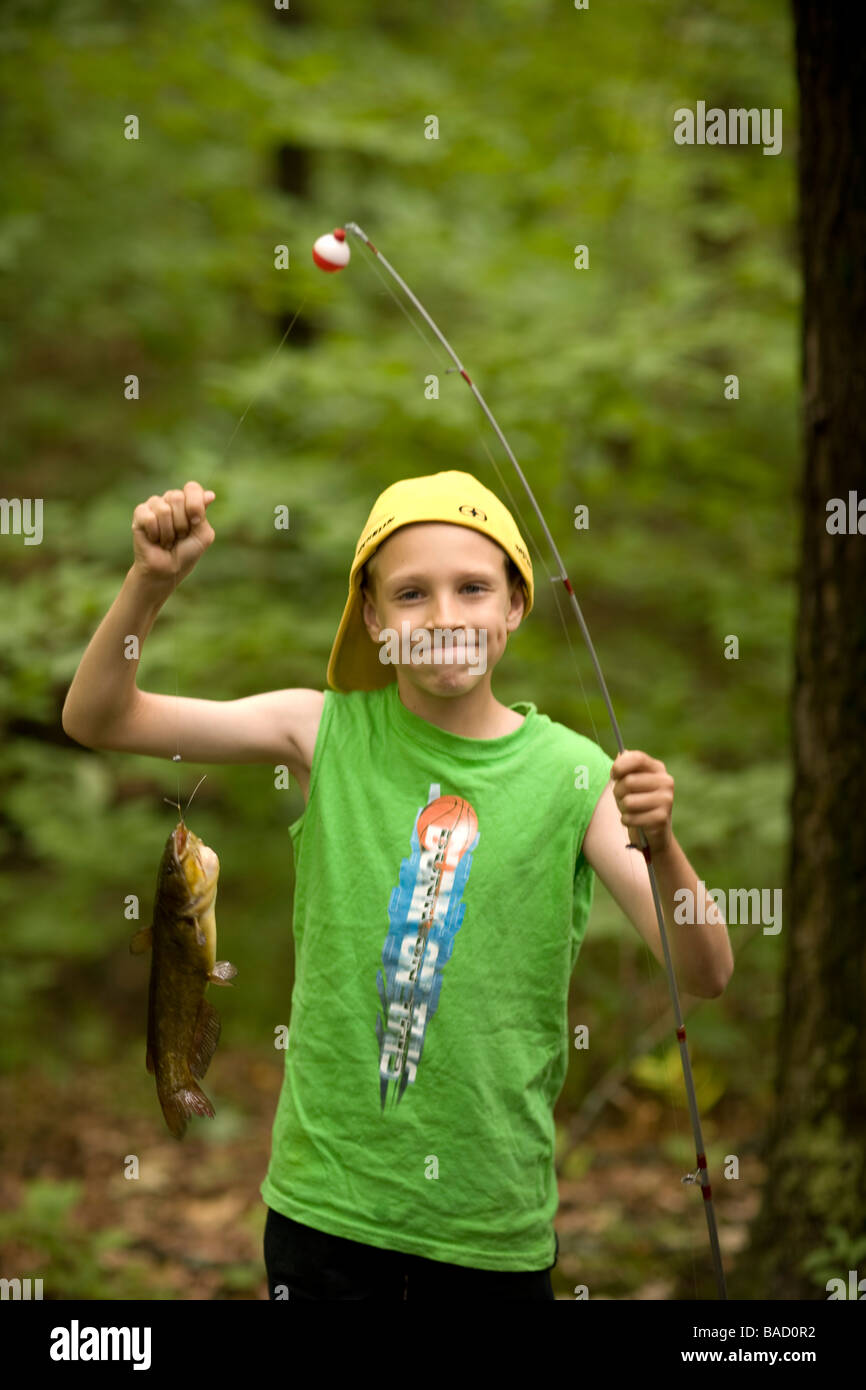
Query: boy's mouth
{"x": 437, "y": 647}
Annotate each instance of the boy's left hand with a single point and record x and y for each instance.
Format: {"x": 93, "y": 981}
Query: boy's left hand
{"x": 644, "y": 794}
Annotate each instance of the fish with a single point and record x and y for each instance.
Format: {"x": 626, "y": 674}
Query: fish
{"x": 183, "y": 1028}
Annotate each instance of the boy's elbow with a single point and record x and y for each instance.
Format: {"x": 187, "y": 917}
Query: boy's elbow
{"x": 710, "y": 986}
{"x": 73, "y": 731}
{"x": 721, "y": 984}
{"x": 704, "y": 991}
{"x": 83, "y": 742}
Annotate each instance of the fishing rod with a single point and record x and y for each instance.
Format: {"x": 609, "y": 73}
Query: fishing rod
{"x": 331, "y": 253}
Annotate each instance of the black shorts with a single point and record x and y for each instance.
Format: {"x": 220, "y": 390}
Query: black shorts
{"x": 304, "y": 1263}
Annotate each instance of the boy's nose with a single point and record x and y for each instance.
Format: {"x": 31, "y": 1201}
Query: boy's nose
{"x": 445, "y": 612}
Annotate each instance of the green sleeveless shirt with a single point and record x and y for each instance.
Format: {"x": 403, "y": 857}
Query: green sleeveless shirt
{"x": 441, "y": 898}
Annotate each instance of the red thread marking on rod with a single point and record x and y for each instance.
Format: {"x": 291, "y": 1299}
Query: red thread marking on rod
{"x": 681, "y": 1034}
{"x": 567, "y": 582}
{"x": 707, "y": 1191}
{"x": 702, "y": 1160}
{"x": 465, "y": 376}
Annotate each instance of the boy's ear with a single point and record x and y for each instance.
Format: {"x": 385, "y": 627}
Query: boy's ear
{"x": 366, "y": 598}
{"x": 518, "y": 589}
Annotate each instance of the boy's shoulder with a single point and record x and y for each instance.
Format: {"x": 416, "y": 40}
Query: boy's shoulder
{"x": 570, "y": 737}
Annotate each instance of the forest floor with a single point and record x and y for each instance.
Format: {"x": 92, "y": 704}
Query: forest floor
{"x": 190, "y": 1224}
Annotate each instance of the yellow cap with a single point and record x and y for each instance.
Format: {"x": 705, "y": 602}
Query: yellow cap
{"x": 454, "y": 497}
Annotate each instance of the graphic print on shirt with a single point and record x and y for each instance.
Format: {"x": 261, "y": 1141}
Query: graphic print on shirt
{"x": 425, "y": 912}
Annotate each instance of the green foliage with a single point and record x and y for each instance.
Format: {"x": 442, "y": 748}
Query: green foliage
{"x": 843, "y": 1251}
{"x": 156, "y": 257}
{"x": 242, "y": 1278}
{"x": 67, "y": 1257}
{"x": 664, "y": 1076}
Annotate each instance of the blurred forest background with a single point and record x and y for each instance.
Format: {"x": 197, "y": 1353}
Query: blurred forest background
{"x": 155, "y": 257}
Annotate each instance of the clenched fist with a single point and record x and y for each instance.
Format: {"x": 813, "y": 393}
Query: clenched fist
{"x": 170, "y": 533}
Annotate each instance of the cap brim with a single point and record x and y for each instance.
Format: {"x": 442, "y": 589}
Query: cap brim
{"x": 354, "y": 662}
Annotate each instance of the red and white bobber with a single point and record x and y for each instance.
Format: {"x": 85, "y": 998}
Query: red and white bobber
{"x": 331, "y": 251}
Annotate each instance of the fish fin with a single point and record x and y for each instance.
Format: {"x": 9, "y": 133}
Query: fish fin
{"x": 223, "y": 973}
{"x": 142, "y": 941}
{"x": 205, "y": 1039}
{"x": 177, "y": 1108}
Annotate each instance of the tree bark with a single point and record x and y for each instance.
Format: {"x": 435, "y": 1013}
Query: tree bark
{"x": 814, "y": 1199}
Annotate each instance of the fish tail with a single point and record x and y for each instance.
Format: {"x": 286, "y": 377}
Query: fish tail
{"x": 177, "y": 1108}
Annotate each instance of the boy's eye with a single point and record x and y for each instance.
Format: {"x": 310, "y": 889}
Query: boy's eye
{"x": 410, "y": 593}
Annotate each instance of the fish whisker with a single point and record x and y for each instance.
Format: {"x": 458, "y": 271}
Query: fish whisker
{"x": 181, "y": 813}
{"x": 194, "y": 790}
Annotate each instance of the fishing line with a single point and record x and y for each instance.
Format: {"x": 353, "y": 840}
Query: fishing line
{"x": 405, "y": 312}
{"x": 333, "y": 259}
{"x": 660, "y": 1006}
{"x": 553, "y": 578}
{"x": 514, "y": 506}
{"x": 257, "y": 395}
{"x": 176, "y": 757}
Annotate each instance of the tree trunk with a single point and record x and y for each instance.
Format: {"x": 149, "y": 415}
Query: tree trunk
{"x": 815, "y": 1148}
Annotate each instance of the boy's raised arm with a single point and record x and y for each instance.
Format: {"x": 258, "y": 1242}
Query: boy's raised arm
{"x": 104, "y": 707}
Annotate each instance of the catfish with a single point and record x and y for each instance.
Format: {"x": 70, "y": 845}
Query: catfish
{"x": 183, "y": 1028}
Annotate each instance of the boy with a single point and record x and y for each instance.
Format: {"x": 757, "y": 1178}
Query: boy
{"x": 444, "y": 876}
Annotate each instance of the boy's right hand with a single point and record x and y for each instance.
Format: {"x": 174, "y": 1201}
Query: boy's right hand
{"x": 170, "y": 533}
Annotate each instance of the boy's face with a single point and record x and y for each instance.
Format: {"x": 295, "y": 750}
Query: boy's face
{"x": 433, "y": 575}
